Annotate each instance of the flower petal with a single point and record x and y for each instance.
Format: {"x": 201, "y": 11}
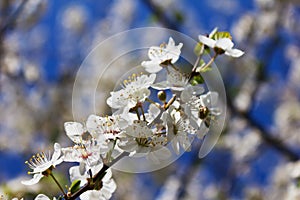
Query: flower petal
{"x": 74, "y": 130}
{"x": 57, "y": 152}
{"x": 41, "y": 197}
{"x": 207, "y": 41}
{"x": 35, "y": 179}
{"x": 234, "y": 53}
{"x": 224, "y": 43}
{"x": 152, "y": 66}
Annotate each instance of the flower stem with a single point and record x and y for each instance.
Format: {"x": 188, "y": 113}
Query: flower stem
{"x": 153, "y": 102}
{"x": 171, "y": 101}
{"x": 198, "y": 59}
{"x": 137, "y": 114}
{"x": 143, "y": 113}
{"x": 173, "y": 66}
{"x": 57, "y": 183}
{"x": 91, "y": 183}
{"x": 209, "y": 63}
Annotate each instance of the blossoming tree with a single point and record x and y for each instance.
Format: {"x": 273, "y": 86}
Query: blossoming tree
{"x": 142, "y": 124}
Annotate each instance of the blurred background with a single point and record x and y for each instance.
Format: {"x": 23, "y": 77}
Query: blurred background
{"x": 43, "y": 43}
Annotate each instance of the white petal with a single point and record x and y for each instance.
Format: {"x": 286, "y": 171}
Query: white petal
{"x": 151, "y": 79}
{"x": 234, "y": 53}
{"x": 171, "y": 41}
{"x": 161, "y": 85}
{"x": 74, "y": 173}
{"x": 70, "y": 154}
{"x": 57, "y": 153}
{"x": 74, "y": 130}
{"x": 207, "y": 41}
{"x": 210, "y": 99}
{"x": 152, "y": 66}
{"x": 41, "y": 197}
{"x": 224, "y": 43}
{"x": 129, "y": 146}
{"x": 109, "y": 101}
{"x": 91, "y": 195}
{"x": 155, "y": 53}
{"x": 35, "y": 179}
{"x": 92, "y": 125}
{"x": 175, "y": 145}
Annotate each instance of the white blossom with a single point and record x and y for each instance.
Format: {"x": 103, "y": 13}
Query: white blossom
{"x": 75, "y": 131}
{"x": 201, "y": 111}
{"x": 135, "y": 90}
{"x": 176, "y": 80}
{"x": 41, "y": 162}
{"x": 143, "y": 141}
{"x": 87, "y": 154}
{"x": 108, "y": 184}
{"x": 225, "y": 44}
{"x": 43, "y": 197}
{"x": 110, "y": 126}
{"x": 158, "y": 55}
{"x": 177, "y": 129}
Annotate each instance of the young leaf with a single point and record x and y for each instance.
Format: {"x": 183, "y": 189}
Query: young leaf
{"x": 75, "y": 186}
{"x": 219, "y": 35}
{"x": 198, "y": 79}
{"x": 198, "y": 50}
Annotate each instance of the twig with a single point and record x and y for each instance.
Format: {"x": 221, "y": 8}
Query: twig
{"x": 91, "y": 182}
{"x": 13, "y": 17}
{"x": 263, "y": 133}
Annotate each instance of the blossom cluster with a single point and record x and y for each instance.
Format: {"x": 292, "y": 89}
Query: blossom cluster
{"x": 152, "y": 118}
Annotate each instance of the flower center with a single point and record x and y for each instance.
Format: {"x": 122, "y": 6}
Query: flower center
{"x": 38, "y": 160}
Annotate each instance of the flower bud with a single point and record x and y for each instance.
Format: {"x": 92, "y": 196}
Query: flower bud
{"x": 162, "y": 96}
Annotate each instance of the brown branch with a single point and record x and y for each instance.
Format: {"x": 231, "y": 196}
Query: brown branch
{"x": 13, "y": 17}
{"x": 158, "y": 12}
{"x": 90, "y": 185}
{"x": 263, "y": 133}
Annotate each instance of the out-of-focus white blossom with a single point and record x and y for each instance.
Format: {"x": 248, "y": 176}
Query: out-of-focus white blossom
{"x": 74, "y": 18}
{"x": 287, "y": 120}
{"x": 243, "y": 27}
{"x": 170, "y": 189}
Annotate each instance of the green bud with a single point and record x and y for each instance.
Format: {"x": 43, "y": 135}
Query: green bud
{"x": 162, "y": 96}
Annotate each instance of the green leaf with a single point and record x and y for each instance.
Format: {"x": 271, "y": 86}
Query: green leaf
{"x": 75, "y": 186}
{"x": 198, "y": 50}
{"x": 198, "y": 79}
{"x": 219, "y": 35}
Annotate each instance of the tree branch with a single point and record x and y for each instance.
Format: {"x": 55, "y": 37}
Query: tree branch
{"x": 91, "y": 182}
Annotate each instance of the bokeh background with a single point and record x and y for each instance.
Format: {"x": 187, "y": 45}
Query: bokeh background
{"x": 43, "y": 43}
